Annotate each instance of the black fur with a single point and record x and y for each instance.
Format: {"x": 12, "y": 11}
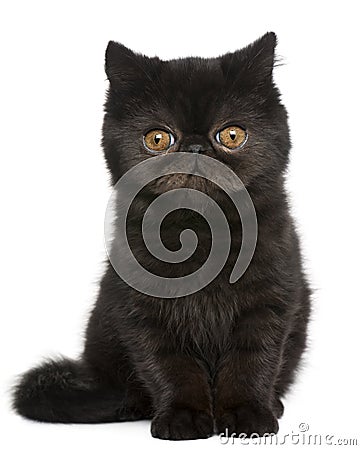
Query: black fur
{"x": 224, "y": 356}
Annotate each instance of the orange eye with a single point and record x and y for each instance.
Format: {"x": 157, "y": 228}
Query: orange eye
{"x": 158, "y": 140}
{"x": 232, "y": 137}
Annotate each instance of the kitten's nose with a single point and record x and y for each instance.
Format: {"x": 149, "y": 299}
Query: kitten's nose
{"x": 195, "y": 148}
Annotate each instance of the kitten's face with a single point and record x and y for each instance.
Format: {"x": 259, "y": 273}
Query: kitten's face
{"x": 227, "y": 108}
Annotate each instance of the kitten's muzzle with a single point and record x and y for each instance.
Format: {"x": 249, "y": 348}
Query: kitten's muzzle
{"x": 195, "y": 148}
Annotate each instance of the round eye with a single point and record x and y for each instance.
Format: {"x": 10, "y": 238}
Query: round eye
{"x": 158, "y": 140}
{"x": 232, "y": 137}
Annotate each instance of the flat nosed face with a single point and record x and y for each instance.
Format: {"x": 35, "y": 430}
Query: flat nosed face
{"x": 194, "y": 100}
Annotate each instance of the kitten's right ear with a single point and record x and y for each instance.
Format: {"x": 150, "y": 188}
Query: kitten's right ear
{"x": 121, "y": 65}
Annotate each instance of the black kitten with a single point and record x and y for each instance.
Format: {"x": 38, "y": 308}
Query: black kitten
{"x": 224, "y": 355}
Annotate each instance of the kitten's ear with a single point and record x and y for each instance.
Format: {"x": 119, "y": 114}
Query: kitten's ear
{"x": 124, "y": 68}
{"x": 253, "y": 63}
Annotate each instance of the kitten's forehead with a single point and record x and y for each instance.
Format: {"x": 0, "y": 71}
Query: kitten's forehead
{"x": 191, "y": 89}
{"x": 194, "y": 69}
{"x": 191, "y": 92}
{"x": 193, "y": 76}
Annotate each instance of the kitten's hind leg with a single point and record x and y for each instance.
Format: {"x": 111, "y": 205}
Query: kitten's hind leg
{"x": 66, "y": 391}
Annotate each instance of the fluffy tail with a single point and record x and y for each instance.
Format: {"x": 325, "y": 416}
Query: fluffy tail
{"x": 66, "y": 391}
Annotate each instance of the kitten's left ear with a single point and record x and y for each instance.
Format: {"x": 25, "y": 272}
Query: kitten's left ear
{"x": 253, "y": 63}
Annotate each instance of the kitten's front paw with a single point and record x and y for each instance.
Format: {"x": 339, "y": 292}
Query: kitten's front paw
{"x": 181, "y": 424}
{"x": 247, "y": 419}
{"x": 278, "y": 408}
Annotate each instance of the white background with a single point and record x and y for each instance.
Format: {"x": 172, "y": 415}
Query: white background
{"x": 54, "y": 186}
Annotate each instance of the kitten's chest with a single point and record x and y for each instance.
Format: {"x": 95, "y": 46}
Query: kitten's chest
{"x": 205, "y": 251}
{"x": 202, "y": 322}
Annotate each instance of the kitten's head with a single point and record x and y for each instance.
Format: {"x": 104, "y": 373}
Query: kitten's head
{"x": 227, "y": 108}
